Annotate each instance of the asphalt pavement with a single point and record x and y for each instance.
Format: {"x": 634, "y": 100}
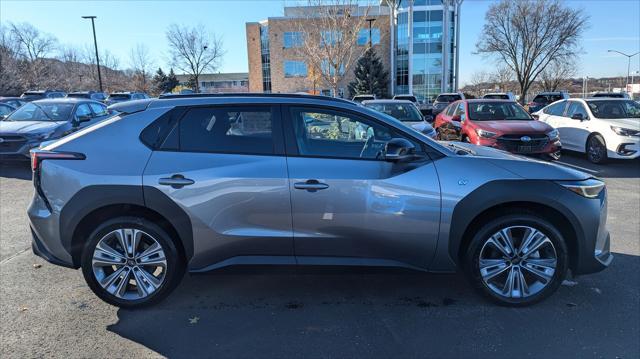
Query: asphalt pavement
{"x": 312, "y": 312}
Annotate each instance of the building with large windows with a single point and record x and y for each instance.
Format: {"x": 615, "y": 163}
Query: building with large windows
{"x": 421, "y": 56}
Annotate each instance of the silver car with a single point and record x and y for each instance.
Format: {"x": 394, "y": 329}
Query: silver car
{"x": 404, "y": 111}
{"x": 199, "y": 182}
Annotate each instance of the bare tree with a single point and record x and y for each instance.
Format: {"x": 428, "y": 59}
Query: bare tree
{"x": 330, "y": 33}
{"x": 142, "y": 64}
{"x": 502, "y": 77}
{"x": 528, "y": 35}
{"x": 194, "y": 50}
{"x": 32, "y": 47}
{"x": 478, "y": 83}
{"x": 10, "y": 83}
{"x": 557, "y": 75}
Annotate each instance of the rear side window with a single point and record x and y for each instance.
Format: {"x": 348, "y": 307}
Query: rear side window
{"x": 242, "y": 130}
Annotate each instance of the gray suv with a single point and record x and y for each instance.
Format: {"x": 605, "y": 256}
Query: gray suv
{"x": 200, "y": 182}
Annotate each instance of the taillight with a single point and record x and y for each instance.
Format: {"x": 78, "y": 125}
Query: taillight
{"x": 37, "y": 156}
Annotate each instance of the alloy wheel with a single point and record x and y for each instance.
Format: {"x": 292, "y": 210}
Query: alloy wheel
{"x": 595, "y": 150}
{"x": 129, "y": 264}
{"x": 517, "y": 262}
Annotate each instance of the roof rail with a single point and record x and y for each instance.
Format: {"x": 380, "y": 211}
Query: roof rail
{"x": 255, "y": 94}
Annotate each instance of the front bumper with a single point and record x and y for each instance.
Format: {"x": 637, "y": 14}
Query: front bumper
{"x": 551, "y": 146}
{"x": 623, "y": 147}
{"x": 17, "y": 147}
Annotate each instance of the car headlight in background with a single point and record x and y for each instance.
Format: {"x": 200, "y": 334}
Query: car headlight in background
{"x": 589, "y": 188}
{"x": 553, "y": 134}
{"x": 486, "y": 134}
{"x": 621, "y": 131}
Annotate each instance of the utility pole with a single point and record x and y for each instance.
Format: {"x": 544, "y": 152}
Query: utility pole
{"x": 95, "y": 43}
{"x": 370, "y": 21}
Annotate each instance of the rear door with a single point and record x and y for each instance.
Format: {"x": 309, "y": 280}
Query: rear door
{"x": 350, "y": 206}
{"x": 225, "y": 167}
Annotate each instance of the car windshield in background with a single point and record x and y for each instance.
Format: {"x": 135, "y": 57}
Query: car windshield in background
{"x": 408, "y": 98}
{"x": 615, "y": 109}
{"x": 119, "y": 97}
{"x": 545, "y": 99}
{"x": 497, "y": 111}
{"x": 448, "y": 98}
{"x": 404, "y": 112}
{"x": 42, "y": 112}
{"x": 496, "y": 97}
{"x": 79, "y": 95}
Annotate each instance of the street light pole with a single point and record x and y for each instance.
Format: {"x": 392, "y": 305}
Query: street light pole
{"x": 628, "y": 63}
{"x": 95, "y": 43}
{"x": 370, "y": 21}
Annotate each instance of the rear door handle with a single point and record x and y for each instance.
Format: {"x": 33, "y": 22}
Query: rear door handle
{"x": 310, "y": 185}
{"x": 176, "y": 181}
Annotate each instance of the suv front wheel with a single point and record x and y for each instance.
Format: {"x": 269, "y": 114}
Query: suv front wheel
{"x": 131, "y": 262}
{"x": 517, "y": 259}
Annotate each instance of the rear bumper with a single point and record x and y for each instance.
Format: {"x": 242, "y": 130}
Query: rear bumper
{"x": 39, "y": 249}
{"x": 45, "y": 234}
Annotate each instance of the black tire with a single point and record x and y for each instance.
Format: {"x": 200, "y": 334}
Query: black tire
{"x": 472, "y": 257}
{"x": 596, "y": 149}
{"x": 175, "y": 264}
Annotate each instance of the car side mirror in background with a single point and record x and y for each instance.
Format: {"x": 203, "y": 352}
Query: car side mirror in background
{"x": 399, "y": 150}
{"x": 578, "y": 116}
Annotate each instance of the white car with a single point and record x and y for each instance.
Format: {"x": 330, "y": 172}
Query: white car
{"x": 600, "y": 127}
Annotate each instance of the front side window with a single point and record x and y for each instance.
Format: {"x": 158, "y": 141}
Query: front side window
{"x": 497, "y": 111}
{"x": 328, "y": 133}
{"x": 363, "y": 37}
{"x": 451, "y": 109}
{"x": 83, "y": 110}
{"x": 576, "y": 108}
{"x": 295, "y": 69}
{"x": 5, "y": 110}
{"x": 98, "y": 110}
{"x": 615, "y": 109}
{"x": 242, "y": 130}
{"x": 293, "y": 39}
{"x": 556, "y": 109}
{"x": 42, "y": 112}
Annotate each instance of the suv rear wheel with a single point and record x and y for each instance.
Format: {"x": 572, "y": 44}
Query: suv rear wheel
{"x": 517, "y": 260}
{"x": 131, "y": 262}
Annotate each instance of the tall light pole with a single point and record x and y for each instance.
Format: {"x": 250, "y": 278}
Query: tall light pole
{"x": 95, "y": 43}
{"x": 628, "y": 63}
{"x": 370, "y": 21}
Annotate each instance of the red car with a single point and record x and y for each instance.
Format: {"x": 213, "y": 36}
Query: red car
{"x": 501, "y": 124}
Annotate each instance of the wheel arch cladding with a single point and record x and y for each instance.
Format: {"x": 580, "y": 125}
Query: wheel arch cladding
{"x": 543, "y": 198}
{"x": 100, "y": 202}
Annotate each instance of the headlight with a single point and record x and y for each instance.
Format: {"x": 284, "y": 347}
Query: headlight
{"x": 625, "y": 131}
{"x": 487, "y": 134}
{"x": 589, "y": 188}
{"x": 553, "y": 134}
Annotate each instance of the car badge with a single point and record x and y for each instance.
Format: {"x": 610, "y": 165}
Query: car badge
{"x": 525, "y": 138}
{"x": 1, "y": 139}
{"x": 463, "y": 182}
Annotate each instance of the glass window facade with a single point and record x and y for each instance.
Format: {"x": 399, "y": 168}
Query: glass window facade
{"x": 363, "y": 36}
{"x": 265, "y": 58}
{"x": 292, "y": 39}
{"x": 420, "y": 47}
{"x": 295, "y": 69}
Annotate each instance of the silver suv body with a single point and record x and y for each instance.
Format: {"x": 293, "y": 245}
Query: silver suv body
{"x": 201, "y": 182}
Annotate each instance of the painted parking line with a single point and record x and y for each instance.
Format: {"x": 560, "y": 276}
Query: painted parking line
{"x": 577, "y": 167}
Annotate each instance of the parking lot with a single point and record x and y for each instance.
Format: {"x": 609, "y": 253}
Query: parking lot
{"x": 277, "y": 312}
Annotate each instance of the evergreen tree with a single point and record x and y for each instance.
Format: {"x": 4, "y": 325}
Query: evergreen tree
{"x": 158, "y": 81}
{"x": 171, "y": 81}
{"x": 370, "y": 76}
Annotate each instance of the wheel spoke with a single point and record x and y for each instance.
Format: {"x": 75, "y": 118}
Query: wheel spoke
{"x": 542, "y": 272}
{"x": 105, "y": 255}
{"x": 521, "y": 288}
{"x": 507, "y": 290}
{"x": 121, "y": 289}
{"x": 490, "y": 268}
{"x": 108, "y": 281}
{"x": 120, "y": 236}
{"x": 140, "y": 283}
{"x": 534, "y": 244}
{"x": 150, "y": 279}
{"x": 502, "y": 241}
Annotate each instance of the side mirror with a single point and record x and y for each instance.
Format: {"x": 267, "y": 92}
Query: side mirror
{"x": 83, "y": 118}
{"x": 399, "y": 150}
{"x": 578, "y": 116}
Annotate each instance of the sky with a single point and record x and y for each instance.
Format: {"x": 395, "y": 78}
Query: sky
{"x": 121, "y": 25}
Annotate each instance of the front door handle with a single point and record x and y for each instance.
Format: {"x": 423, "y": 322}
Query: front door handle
{"x": 310, "y": 185}
{"x": 176, "y": 181}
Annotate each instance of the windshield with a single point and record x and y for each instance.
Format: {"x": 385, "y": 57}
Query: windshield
{"x": 496, "y": 97}
{"x": 497, "y": 111}
{"x": 79, "y": 95}
{"x": 42, "y": 112}
{"x": 610, "y": 95}
{"x": 448, "y": 98}
{"x": 119, "y": 97}
{"x": 408, "y": 98}
{"x": 404, "y": 112}
{"x": 545, "y": 99}
{"x": 614, "y": 109}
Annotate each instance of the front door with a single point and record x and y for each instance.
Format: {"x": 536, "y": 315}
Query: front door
{"x": 225, "y": 167}
{"x": 349, "y": 205}
{"x": 575, "y": 131}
